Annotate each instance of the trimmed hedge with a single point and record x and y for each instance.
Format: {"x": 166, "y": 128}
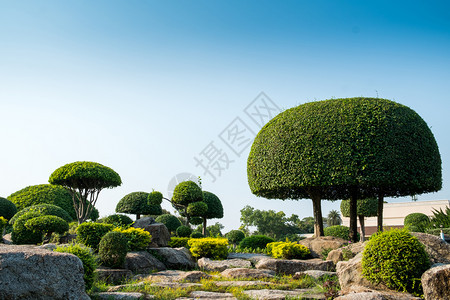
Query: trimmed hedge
{"x": 47, "y": 224}
{"x": 138, "y": 238}
{"x": 43, "y": 209}
{"x": 256, "y": 241}
{"x": 215, "y": 208}
{"x": 216, "y": 248}
{"x": 177, "y": 242}
{"x": 90, "y": 233}
{"x": 184, "y": 231}
{"x": 235, "y": 236}
{"x": 417, "y": 222}
{"x": 23, "y": 235}
{"x": 338, "y": 231}
{"x": 287, "y": 250}
{"x": 112, "y": 249}
{"x": 117, "y": 220}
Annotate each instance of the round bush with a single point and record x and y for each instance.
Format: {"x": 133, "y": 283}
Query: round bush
{"x": 7, "y": 208}
{"x": 155, "y": 198}
{"x": 417, "y": 222}
{"x": 235, "y": 236}
{"x": 113, "y": 249}
{"x": 171, "y": 222}
{"x": 339, "y": 231}
{"x": 396, "y": 259}
{"x": 23, "y": 235}
{"x": 287, "y": 250}
{"x": 197, "y": 209}
{"x": 196, "y": 235}
{"x": 3, "y": 223}
{"x": 184, "y": 231}
{"x": 90, "y": 233}
{"x": 87, "y": 258}
{"x": 117, "y": 220}
{"x": 187, "y": 192}
{"x": 256, "y": 241}
{"x": 134, "y": 203}
{"x": 47, "y": 224}
{"x": 155, "y": 210}
{"x": 138, "y": 238}
{"x": 43, "y": 209}
{"x": 216, "y": 248}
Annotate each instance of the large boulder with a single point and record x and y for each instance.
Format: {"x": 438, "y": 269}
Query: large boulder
{"x": 28, "y": 272}
{"x": 437, "y": 249}
{"x": 174, "y": 258}
{"x": 292, "y": 266}
{"x": 142, "y": 262}
{"x": 221, "y": 265}
{"x": 350, "y": 273}
{"x": 160, "y": 234}
{"x": 143, "y": 222}
{"x": 346, "y": 253}
{"x": 317, "y": 244}
{"x": 436, "y": 282}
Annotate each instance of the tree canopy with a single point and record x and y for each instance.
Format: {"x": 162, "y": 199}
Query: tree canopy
{"x": 136, "y": 203}
{"x": 214, "y": 209}
{"x": 186, "y": 198}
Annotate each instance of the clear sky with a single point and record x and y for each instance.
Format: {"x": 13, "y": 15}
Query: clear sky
{"x": 145, "y": 87}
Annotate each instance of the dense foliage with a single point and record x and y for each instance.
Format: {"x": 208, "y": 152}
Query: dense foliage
{"x": 235, "y": 236}
{"x": 256, "y": 241}
{"x": 197, "y": 209}
{"x": 85, "y": 180}
{"x": 183, "y": 231}
{"x": 155, "y": 198}
{"x": 90, "y": 233}
{"x": 338, "y": 231}
{"x": 396, "y": 259}
{"x": 134, "y": 203}
{"x": 171, "y": 221}
{"x": 216, "y": 248}
{"x": 23, "y": 235}
{"x": 87, "y": 258}
{"x": 364, "y": 208}
{"x": 417, "y": 222}
{"x": 112, "y": 249}
{"x": 334, "y": 218}
{"x": 7, "y": 208}
{"x": 287, "y": 250}
{"x": 47, "y": 225}
{"x": 117, "y": 220}
{"x": 187, "y": 192}
{"x": 44, "y": 194}
{"x": 344, "y": 148}
{"x": 196, "y": 235}
{"x": 441, "y": 218}
{"x": 214, "y": 209}
{"x": 3, "y": 223}
{"x": 177, "y": 242}
{"x": 43, "y": 209}
{"x": 137, "y": 238}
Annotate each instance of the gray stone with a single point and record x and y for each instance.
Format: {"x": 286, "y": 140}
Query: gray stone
{"x": 211, "y": 295}
{"x": 174, "y": 258}
{"x": 113, "y": 276}
{"x": 318, "y": 244}
{"x": 160, "y": 234}
{"x": 437, "y": 249}
{"x": 436, "y": 282}
{"x": 252, "y": 257}
{"x": 282, "y": 294}
{"x": 142, "y": 262}
{"x": 122, "y": 296}
{"x": 143, "y": 222}
{"x": 357, "y": 292}
{"x": 33, "y": 273}
{"x": 346, "y": 253}
{"x": 350, "y": 273}
{"x": 174, "y": 276}
{"x": 50, "y": 247}
{"x": 242, "y": 283}
{"x": 193, "y": 276}
{"x": 292, "y": 266}
{"x": 7, "y": 239}
{"x": 317, "y": 274}
{"x": 221, "y": 265}
{"x": 247, "y": 273}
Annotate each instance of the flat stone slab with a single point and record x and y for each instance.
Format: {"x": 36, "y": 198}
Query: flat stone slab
{"x": 123, "y": 296}
{"x": 317, "y": 274}
{"x": 211, "y": 295}
{"x": 113, "y": 276}
{"x": 242, "y": 283}
{"x": 221, "y": 265}
{"x": 247, "y": 273}
{"x": 282, "y": 294}
{"x": 292, "y": 266}
{"x": 253, "y": 257}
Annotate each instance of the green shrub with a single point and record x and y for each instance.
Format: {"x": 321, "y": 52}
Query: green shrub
{"x": 338, "y": 231}
{"x": 138, "y": 238}
{"x": 196, "y": 220}
{"x": 197, "y": 209}
{"x": 113, "y": 249}
{"x": 47, "y": 224}
{"x": 256, "y": 241}
{"x": 184, "y": 231}
{"x": 216, "y": 248}
{"x": 43, "y": 209}
{"x": 88, "y": 259}
{"x": 396, "y": 259}
{"x": 196, "y": 235}
{"x": 155, "y": 198}
{"x": 7, "y": 208}
{"x": 23, "y": 235}
{"x": 171, "y": 222}
{"x": 90, "y": 233}
{"x": 3, "y": 223}
{"x": 417, "y": 222}
{"x": 287, "y": 250}
{"x": 117, "y": 220}
{"x": 178, "y": 242}
{"x": 235, "y": 236}
{"x": 441, "y": 218}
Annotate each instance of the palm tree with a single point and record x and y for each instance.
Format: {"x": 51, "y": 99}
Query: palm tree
{"x": 334, "y": 218}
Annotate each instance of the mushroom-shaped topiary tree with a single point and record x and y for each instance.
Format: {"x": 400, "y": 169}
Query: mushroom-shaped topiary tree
{"x": 85, "y": 180}
{"x": 365, "y": 208}
{"x": 214, "y": 208}
{"x": 185, "y": 194}
{"x": 344, "y": 148}
{"x": 134, "y": 203}
{"x": 7, "y": 208}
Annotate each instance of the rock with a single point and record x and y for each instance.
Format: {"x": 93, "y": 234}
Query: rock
{"x": 221, "y": 265}
{"x": 242, "y": 283}
{"x": 142, "y": 262}
{"x": 7, "y": 239}
{"x": 67, "y": 238}
{"x": 350, "y": 273}
{"x": 436, "y": 282}
{"x": 33, "y": 273}
{"x": 247, "y": 273}
{"x": 143, "y": 222}
{"x": 363, "y": 293}
{"x": 113, "y": 276}
{"x": 346, "y": 253}
{"x": 314, "y": 273}
{"x": 160, "y": 234}
{"x": 211, "y": 295}
{"x": 318, "y": 244}
{"x": 291, "y": 266}
{"x": 174, "y": 258}
{"x": 193, "y": 276}
{"x": 50, "y": 247}
{"x": 174, "y": 276}
{"x": 437, "y": 249}
{"x": 252, "y": 257}
{"x": 122, "y": 296}
{"x": 283, "y": 294}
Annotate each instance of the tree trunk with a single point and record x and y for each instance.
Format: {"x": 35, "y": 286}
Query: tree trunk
{"x": 204, "y": 227}
{"x": 188, "y": 219}
{"x": 363, "y": 229}
{"x": 138, "y": 216}
{"x": 353, "y": 215}
{"x": 380, "y": 212}
{"x": 317, "y": 208}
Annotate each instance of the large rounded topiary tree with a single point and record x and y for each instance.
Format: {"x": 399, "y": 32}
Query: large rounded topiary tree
{"x": 364, "y": 208}
{"x": 344, "y": 148}
{"x": 185, "y": 194}
{"x": 134, "y": 203}
{"x": 85, "y": 180}
{"x": 214, "y": 211}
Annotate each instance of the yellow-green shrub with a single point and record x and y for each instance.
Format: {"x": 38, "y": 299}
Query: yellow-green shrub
{"x": 216, "y": 248}
{"x": 138, "y": 238}
{"x": 177, "y": 242}
{"x": 287, "y": 250}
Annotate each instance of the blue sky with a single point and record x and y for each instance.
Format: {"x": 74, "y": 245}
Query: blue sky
{"x": 144, "y": 86}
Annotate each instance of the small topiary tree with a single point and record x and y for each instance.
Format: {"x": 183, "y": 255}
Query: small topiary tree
{"x": 23, "y": 235}
{"x": 90, "y": 233}
{"x": 47, "y": 225}
{"x": 184, "y": 194}
{"x": 235, "y": 236}
{"x": 134, "y": 203}
{"x": 171, "y": 222}
{"x": 396, "y": 259}
{"x": 112, "y": 249}
{"x": 154, "y": 200}
{"x": 364, "y": 208}
{"x": 416, "y": 222}
{"x": 214, "y": 208}
{"x": 117, "y": 220}
{"x": 256, "y": 241}
{"x": 7, "y": 208}
{"x": 184, "y": 231}
{"x": 85, "y": 180}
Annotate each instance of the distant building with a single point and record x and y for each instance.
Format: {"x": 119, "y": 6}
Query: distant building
{"x": 394, "y": 213}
